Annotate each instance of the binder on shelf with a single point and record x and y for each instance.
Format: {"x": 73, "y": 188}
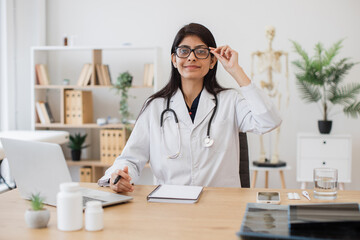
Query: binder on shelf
{"x": 112, "y": 142}
{"x": 78, "y": 107}
{"x": 85, "y": 174}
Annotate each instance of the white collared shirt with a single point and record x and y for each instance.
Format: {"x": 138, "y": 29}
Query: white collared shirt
{"x": 215, "y": 166}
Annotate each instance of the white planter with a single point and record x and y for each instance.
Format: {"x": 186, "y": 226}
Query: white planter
{"x": 37, "y": 219}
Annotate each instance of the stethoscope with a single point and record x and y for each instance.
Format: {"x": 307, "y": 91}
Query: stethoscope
{"x": 208, "y": 142}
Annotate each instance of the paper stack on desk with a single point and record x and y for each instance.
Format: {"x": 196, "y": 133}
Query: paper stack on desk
{"x": 175, "y": 194}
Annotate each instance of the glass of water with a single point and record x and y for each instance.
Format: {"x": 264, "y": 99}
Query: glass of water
{"x": 326, "y": 182}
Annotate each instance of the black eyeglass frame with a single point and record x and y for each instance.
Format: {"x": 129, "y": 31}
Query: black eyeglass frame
{"x": 192, "y": 50}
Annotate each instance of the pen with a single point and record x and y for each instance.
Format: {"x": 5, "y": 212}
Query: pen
{"x": 117, "y": 179}
{"x": 306, "y": 194}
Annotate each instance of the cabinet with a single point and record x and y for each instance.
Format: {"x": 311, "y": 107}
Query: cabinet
{"x": 331, "y": 151}
{"x": 63, "y": 62}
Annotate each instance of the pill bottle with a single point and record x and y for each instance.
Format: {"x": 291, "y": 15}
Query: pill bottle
{"x": 94, "y": 216}
{"x": 69, "y": 207}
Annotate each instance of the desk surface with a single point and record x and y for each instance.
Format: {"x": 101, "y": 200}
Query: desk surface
{"x": 217, "y": 215}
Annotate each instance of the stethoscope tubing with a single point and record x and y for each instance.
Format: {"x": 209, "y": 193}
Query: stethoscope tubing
{"x": 208, "y": 142}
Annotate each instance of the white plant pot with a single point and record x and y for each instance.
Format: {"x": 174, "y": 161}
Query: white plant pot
{"x": 37, "y": 219}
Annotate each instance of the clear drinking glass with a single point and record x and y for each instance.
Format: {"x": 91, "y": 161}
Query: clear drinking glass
{"x": 326, "y": 183}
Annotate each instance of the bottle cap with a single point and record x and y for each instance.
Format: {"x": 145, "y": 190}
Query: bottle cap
{"x": 69, "y": 187}
{"x": 93, "y": 204}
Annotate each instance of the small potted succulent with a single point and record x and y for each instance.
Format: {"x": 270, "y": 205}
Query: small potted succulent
{"x": 37, "y": 216}
{"x": 76, "y": 144}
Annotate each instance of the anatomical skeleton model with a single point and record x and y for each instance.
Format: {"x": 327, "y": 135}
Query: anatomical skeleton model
{"x": 269, "y": 62}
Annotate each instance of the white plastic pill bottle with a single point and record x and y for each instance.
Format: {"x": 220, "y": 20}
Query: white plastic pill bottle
{"x": 69, "y": 207}
{"x": 94, "y": 216}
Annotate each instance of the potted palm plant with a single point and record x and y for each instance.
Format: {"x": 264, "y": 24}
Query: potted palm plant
{"x": 37, "y": 216}
{"x": 76, "y": 144}
{"x": 122, "y": 85}
{"x": 320, "y": 80}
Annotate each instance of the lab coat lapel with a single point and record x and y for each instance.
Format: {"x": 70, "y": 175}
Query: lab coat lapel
{"x": 178, "y": 104}
{"x": 205, "y": 107}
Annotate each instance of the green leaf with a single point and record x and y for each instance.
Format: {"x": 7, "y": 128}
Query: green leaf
{"x": 37, "y": 202}
{"x": 353, "y": 110}
{"x": 331, "y": 53}
{"x": 300, "y": 51}
{"x": 345, "y": 95}
{"x": 77, "y": 141}
{"x": 309, "y": 92}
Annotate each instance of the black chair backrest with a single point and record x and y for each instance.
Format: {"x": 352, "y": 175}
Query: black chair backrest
{"x": 244, "y": 161}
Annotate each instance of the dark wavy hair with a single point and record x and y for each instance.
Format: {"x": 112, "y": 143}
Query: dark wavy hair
{"x": 210, "y": 82}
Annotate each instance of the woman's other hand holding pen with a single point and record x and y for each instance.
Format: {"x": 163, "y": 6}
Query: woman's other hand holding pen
{"x": 122, "y": 185}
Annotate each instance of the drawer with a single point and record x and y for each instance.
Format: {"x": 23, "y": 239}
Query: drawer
{"x": 324, "y": 148}
{"x": 306, "y": 167}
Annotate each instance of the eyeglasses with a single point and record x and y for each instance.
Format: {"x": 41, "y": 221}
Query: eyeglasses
{"x": 200, "y": 53}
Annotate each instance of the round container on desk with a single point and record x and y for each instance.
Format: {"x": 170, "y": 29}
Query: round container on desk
{"x": 94, "y": 216}
{"x": 69, "y": 207}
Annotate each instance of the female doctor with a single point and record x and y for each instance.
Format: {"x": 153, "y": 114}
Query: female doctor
{"x": 188, "y": 131}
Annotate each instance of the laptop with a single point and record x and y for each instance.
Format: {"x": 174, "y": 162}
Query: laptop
{"x": 39, "y": 167}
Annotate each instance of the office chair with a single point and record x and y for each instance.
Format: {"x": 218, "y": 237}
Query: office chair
{"x": 244, "y": 161}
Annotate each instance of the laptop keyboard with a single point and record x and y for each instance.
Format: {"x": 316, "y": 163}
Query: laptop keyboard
{"x": 86, "y": 199}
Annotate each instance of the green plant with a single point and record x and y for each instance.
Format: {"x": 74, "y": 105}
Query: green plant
{"x": 122, "y": 85}
{"x": 319, "y": 78}
{"x": 77, "y": 141}
{"x": 37, "y": 202}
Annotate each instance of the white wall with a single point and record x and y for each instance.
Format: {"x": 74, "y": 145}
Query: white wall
{"x": 239, "y": 24}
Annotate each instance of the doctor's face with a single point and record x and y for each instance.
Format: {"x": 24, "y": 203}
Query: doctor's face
{"x": 193, "y": 59}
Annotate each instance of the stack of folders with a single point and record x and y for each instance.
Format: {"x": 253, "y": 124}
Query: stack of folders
{"x": 78, "y": 107}
{"x": 310, "y": 221}
{"x": 112, "y": 142}
{"x": 175, "y": 194}
{"x": 44, "y": 112}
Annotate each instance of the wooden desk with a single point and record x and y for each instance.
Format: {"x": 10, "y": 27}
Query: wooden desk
{"x": 218, "y": 215}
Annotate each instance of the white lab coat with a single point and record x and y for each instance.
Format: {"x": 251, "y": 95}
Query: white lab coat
{"x": 215, "y": 166}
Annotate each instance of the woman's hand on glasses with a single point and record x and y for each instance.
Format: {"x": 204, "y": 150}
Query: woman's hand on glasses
{"x": 123, "y": 185}
{"x": 228, "y": 57}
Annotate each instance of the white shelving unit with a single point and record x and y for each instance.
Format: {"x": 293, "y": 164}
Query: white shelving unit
{"x": 66, "y": 62}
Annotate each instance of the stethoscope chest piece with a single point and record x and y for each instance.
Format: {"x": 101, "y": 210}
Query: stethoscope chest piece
{"x": 208, "y": 142}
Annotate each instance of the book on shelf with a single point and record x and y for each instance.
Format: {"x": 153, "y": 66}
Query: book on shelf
{"x": 44, "y": 113}
{"x": 40, "y": 112}
{"x": 42, "y": 75}
{"x": 175, "y": 194}
{"x": 49, "y": 113}
{"x": 83, "y": 74}
{"x": 99, "y": 74}
{"x": 87, "y": 79}
{"x": 148, "y": 74}
{"x": 106, "y": 75}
